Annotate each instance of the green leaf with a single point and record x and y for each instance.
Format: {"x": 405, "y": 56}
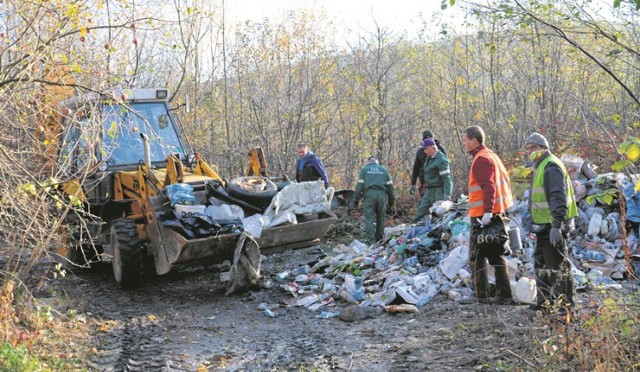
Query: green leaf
{"x": 75, "y": 201}
{"x": 616, "y": 118}
{"x": 607, "y": 199}
{"x": 620, "y": 165}
{"x": 630, "y": 147}
{"x": 29, "y": 188}
{"x": 601, "y": 179}
{"x": 591, "y": 199}
{"x": 637, "y": 123}
{"x": 616, "y": 3}
{"x": 633, "y": 152}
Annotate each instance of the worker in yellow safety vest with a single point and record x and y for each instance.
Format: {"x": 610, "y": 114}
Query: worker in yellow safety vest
{"x": 552, "y": 207}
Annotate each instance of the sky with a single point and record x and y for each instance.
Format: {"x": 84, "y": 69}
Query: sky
{"x": 350, "y": 16}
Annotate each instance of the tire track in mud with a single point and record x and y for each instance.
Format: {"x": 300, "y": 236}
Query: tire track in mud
{"x": 135, "y": 345}
{"x": 182, "y": 322}
{"x": 132, "y": 337}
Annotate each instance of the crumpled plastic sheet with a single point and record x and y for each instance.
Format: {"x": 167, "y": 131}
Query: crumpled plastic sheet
{"x": 287, "y": 217}
{"x": 420, "y": 230}
{"x": 610, "y": 229}
{"x": 254, "y": 225}
{"x": 441, "y": 207}
{"x": 594, "y": 210}
{"x": 633, "y": 201}
{"x": 245, "y": 270}
{"x": 304, "y": 198}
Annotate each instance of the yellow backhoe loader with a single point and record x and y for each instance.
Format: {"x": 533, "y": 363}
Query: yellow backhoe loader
{"x": 117, "y": 152}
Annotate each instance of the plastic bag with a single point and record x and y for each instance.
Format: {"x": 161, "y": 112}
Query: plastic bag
{"x": 491, "y": 240}
{"x": 180, "y": 193}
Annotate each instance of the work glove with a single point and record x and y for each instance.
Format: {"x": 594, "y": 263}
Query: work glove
{"x": 486, "y": 219}
{"x": 412, "y": 190}
{"x": 555, "y": 236}
{"x": 390, "y": 203}
{"x": 352, "y": 204}
{"x": 446, "y": 198}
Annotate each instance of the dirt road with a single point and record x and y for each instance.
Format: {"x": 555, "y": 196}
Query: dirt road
{"x": 184, "y": 321}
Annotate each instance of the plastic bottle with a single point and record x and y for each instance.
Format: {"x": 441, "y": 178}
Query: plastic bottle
{"x": 306, "y": 269}
{"x": 400, "y": 249}
{"x": 455, "y": 296}
{"x": 514, "y": 239}
{"x": 283, "y": 276}
{"x": 270, "y": 313}
{"x": 327, "y": 315}
{"x": 411, "y": 261}
{"x": 354, "y": 287}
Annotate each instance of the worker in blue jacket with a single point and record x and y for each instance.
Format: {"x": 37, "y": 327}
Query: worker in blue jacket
{"x": 309, "y": 167}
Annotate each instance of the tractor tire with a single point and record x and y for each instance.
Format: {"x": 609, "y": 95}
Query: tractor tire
{"x": 255, "y": 190}
{"x": 77, "y": 251}
{"x": 283, "y": 184}
{"x": 127, "y": 251}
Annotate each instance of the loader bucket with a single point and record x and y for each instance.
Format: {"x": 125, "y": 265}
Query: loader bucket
{"x": 171, "y": 250}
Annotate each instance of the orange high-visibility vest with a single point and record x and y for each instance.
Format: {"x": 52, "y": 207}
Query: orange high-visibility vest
{"x": 503, "y": 199}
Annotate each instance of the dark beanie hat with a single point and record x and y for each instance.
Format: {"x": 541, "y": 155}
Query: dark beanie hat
{"x": 427, "y": 134}
{"x": 537, "y": 139}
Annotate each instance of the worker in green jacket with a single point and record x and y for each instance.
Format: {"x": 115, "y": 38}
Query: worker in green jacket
{"x": 437, "y": 179}
{"x": 376, "y": 186}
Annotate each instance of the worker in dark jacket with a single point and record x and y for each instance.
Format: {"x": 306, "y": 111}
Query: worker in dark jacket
{"x": 552, "y": 206}
{"x": 376, "y": 186}
{"x": 418, "y": 164}
{"x": 309, "y": 166}
{"x": 436, "y": 178}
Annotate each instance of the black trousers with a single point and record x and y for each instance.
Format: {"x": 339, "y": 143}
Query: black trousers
{"x": 478, "y": 263}
{"x": 554, "y": 279}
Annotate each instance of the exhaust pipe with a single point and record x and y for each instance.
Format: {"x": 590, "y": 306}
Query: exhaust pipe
{"x": 147, "y": 150}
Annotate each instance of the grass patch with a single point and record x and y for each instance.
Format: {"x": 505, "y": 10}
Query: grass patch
{"x": 603, "y": 335}
{"x": 36, "y": 337}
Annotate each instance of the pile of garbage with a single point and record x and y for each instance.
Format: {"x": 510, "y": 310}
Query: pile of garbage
{"x": 219, "y": 213}
{"x": 415, "y": 263}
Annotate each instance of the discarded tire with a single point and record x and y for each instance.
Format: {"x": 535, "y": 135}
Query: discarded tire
{"x": 255, "y": 190}
{"x": 127, "y": 252}
{"x": 283, "y": 184}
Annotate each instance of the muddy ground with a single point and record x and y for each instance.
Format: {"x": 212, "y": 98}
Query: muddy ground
{"x": 183, "y": 322}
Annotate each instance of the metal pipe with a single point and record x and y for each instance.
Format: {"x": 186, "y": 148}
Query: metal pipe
{"x": 147, "y": 150}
